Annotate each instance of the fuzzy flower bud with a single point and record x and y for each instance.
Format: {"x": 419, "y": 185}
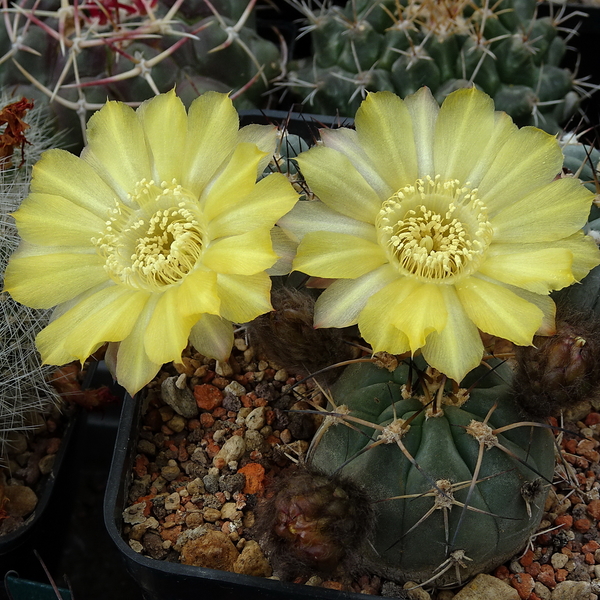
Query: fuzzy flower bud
{"x": 561, "y": 370}
{"x": 314, "y": 523}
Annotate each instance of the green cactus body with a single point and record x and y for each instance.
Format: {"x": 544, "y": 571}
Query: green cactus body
{"x": 428, "y": 533}
{"x": 429, "y": 42}
{"x": 198, "y": 47}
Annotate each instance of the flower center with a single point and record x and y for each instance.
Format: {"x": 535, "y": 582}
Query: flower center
{"x": 156, "y": 244}
{"x": 434, "y": 230}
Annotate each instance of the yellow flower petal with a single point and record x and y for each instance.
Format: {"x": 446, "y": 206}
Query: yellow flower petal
{"x": 270, "y": 199}
{"x": 544, "y": 303}
{"x": 211, "y": 138}
{"x": 333, "y": 178}
{"x": 83, "y": 186}
{"x": 107, "y": 315}
{"x": 285, "y": 248}
{"x": 213, "y": 337}
{"x": 385, "y": 132}
{"x": 457, "y": 349}
{"x": 375, "y": 321}
{"x": 263, "y": 136}
{"x": 529, "y": 158}
{"x": 586, "y": 254}
{"x": 314, "y": 215}
{"x": 498, "y": 311}
{"x": 133, "y": 367}
{"x": 117, "y": 148}
{"x": 420, "y": 313}
{"x": 539, "y": 271}
{"x": 236, "y": 181}
{"x": 341, "y": 303}
{"x": 51, "y": 220}
{"x": 198, "y": 293}
{"x": 553, "y": 211}
{"x": 346, "y": 141}
{"x": 337, "y": 255}
{"x": 423, "y": 110}
{"x": 502, "y": 131}
{"x": 244, "y": 254}
{"x": 462, "y": 131}
{"x": 42, "y": 279}
{"x": 164, "y": 121}
{"x": 167, "y": 330}
{"x": 244, "y": 297}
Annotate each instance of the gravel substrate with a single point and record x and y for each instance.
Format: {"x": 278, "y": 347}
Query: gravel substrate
{"x": 205, "y": 458}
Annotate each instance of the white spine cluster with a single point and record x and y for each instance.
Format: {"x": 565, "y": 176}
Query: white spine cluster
{"x": 24, "y": 390}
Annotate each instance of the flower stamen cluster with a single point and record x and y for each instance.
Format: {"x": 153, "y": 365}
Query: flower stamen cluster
{"x": 153, "y": 247}
{"x": 434, "y": 229}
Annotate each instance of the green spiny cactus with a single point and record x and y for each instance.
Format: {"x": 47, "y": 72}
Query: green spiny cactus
{"x": 23, "y": 379}
{"x": 400, "y": 46}
{"x": 79, "y": 56}
{"x": 449, "y": 471}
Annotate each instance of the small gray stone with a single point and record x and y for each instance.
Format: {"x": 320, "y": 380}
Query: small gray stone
{"x": 231, "y": 402}
{"x": 232, "y": 449}
{"x": 170, "y": 472}
{"x": 172, "y": 501}
{"x": 146, "y": 447}
{"x": 235, "y": 388}
{"x": 182, "y": 401}
{"x": 257, "y": 418}
{"x": 572, "y": 590}
{"x": 255, "y": 441}
{"x": 134, "y": 514}
{"x": 232, "y": 483}
{"x": 211, "y": 483}
{"x": 542, "y": 591}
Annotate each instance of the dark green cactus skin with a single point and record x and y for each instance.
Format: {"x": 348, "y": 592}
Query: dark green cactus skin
{"x": 443, "y": 450}
{"x": 192, "y": 68}
{"x": 505, "y": 51}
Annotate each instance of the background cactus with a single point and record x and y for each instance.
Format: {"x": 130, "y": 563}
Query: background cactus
{"x": 447, "y": 481}
{"x": 80, "y": 55}
{"x": 400, "y": 46}
{"x": 25, "y": 389}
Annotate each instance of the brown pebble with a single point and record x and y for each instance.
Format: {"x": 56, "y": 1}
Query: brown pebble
{"x": 208, "y": 397}
{"x": 21, "y": 500}
{"x": 524, "y": 584}
{"x": 214, "y": 550}
{"x": 593, "y": 509}
{"x": 252, "y": 561}
{"x": 546, "y": 576}
{"x": 582, "y": 525}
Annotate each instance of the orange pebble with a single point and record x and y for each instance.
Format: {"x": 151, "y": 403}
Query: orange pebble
{"x": 255, "y": 478}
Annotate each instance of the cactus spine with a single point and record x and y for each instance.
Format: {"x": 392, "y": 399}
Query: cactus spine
{"x": 25, "y": 390}
{"x": 399, "y": 46}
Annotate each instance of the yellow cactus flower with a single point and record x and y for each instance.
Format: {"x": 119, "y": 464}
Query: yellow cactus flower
{"x": 439, "y": 222}
{"x": 157, "y": 234}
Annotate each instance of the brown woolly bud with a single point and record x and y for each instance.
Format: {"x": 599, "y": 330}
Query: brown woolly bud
{"x": 314, "y": 523}
{"x": 561, "y": 370}
{"x": 287, "y": 335}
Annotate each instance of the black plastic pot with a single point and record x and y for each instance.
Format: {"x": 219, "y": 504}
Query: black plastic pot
{"x": 161, "y": 580}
